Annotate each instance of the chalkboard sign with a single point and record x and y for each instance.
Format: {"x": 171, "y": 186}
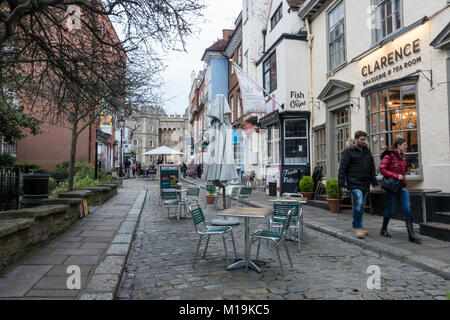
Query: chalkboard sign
{"x": 169, "y": 176}
{"x": 290, "y": 176}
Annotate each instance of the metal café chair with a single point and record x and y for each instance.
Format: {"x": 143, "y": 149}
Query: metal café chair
{"x": 206, "y": 231}
{"x": 276, "y": 238}
{"x": 170, "y": 200}
{"x": 244, "y": 193}
{"x": 278, "y": 217}
{"x": 192, "y": 197}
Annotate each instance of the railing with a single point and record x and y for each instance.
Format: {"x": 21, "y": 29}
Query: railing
{"x": 9, "y": 188}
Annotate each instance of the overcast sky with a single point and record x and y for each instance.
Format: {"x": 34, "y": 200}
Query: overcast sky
{"x": 219, "y": 15}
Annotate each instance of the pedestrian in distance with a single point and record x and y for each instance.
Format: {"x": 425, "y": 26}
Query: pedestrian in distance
{"x": 184, "y": 169}
{"x": 357, "y": 173}
{"x": 393, "y": 165}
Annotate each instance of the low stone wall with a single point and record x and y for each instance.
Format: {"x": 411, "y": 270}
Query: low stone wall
{"x": 25, "y": 229}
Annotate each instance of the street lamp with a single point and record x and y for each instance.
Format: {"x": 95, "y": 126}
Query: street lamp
{"x": 121, "y": 123}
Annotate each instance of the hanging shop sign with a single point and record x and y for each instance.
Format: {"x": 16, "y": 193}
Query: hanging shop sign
{"x": 405, "y": 56}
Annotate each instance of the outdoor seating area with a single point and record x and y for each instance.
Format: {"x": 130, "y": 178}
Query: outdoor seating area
{"x": 284, "y": 223}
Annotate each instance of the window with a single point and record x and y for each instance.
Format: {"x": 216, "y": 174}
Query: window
{"x": 8, "y": 148}
{"x": 388, "y": 18}
{"x": 270, "y": 73}
{"x": 151, "y": 143}
{"x": 273, "y": 144}
{"x": 296, "y": 142}
{"x": 320, "y": 141}
{"x": 336, "y": 36}
{"x": 233, "y": 113}
{"x": 246, "y": 61}
{"x": 240, "y": 56}
{"x": 135, "y": 142}
{"x": 393, "y": 113}
{"x": 276, "y": 16}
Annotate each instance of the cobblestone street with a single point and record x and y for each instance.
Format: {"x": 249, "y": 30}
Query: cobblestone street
{"x": 160, "y": 266}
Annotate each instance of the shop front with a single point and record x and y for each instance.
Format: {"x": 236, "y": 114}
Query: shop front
{"x": 287, "y": 150}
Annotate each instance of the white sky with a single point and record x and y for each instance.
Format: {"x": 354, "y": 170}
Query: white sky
{"x": 219, "y": 15}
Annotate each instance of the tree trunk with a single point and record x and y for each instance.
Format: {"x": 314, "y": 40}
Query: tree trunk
{"x": 73, "y": 152}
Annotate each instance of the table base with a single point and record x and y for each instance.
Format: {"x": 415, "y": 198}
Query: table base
{"x": 251, "y": 265}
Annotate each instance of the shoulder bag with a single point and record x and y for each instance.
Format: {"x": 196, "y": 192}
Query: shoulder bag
{"x": 391, "y": 185}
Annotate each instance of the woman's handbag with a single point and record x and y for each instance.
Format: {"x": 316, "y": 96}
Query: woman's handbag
{"x": 390, "y": 185}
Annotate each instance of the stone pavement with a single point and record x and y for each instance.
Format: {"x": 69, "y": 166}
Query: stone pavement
{"x": 160, "y": 266}
{"x": 432, "y": 255}
{"x": 98, "y": 244}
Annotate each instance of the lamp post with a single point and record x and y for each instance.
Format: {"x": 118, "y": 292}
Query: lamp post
{"x": 121, "y": 123}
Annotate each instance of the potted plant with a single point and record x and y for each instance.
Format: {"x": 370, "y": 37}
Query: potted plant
{"x": 211, "y": 195}
{"x": 306, "y": 185}
{"x": 332, "y": 188}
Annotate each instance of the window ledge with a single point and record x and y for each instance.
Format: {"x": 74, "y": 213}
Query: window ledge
{"x": 331, "y": 73}
{"x": 408, "y": 178}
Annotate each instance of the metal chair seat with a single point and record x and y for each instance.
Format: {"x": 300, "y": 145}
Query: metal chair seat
{"x": 276, "y": 237}
{"x": 268, "y": 234}
{"x": 198, "y": 218}
{"x": 216, "y": 229}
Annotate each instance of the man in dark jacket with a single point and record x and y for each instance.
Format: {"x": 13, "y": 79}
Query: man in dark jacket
{"x": 356, "y": 173}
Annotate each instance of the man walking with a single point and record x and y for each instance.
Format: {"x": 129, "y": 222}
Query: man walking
{"x": 357, "y": 172}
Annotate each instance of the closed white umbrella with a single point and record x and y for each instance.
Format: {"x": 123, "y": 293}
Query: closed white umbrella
{"x": 220, "y": 164}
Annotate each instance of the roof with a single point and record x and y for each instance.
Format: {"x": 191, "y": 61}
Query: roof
{"x": 218, "y": 46}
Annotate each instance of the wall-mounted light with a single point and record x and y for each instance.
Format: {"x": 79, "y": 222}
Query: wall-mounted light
{"x": 355, "y": 102}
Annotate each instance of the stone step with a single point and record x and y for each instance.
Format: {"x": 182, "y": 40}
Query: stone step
{"x": 441, "y": 217}
{"x": 436, "y": 230}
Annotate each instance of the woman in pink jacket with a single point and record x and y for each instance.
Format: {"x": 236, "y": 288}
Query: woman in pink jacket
{"x": 393, "y": 165}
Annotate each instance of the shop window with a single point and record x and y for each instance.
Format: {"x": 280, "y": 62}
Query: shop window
{"x": 393, "y": 113}
{"x": 387, "y": 17}
{"x": 278, "y": 14}
{"x": 273, "y": 144}
{"x": 296, "y": 142}
{"x": 336, "y": 36}
{"x": 270, "y": 73}
{"x": 320, "y": 142}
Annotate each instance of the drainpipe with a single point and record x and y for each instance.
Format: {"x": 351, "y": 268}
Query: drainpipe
{"x": 311, "y": 92}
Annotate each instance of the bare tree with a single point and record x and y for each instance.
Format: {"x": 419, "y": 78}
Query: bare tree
{"x": 74, "y": 66}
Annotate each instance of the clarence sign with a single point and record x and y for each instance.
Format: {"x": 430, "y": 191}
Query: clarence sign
{"x": 388, "y": 64}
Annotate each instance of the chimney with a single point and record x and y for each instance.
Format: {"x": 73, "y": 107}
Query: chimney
{"x": 226, "y": 33}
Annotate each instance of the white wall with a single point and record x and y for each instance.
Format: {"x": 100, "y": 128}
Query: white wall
{"x": 432, "y": 104}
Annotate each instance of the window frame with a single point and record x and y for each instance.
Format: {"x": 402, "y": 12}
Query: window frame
{"x": 329, "y": 12}
{"x": 320, "y": 144}
{"x": 306, "y": 138}
{"x": 376, "y": 37}
{"x": 272, "y": 70}
{"x": 389, "y": 130}
{"x": 276, "y": 17}
{"x": 271, "y": 143}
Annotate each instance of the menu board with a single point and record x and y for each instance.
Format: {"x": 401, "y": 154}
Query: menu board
{"x": 169, "y": 176}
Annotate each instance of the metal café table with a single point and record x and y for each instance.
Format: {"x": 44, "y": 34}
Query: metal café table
{"x": 246, "y": 213}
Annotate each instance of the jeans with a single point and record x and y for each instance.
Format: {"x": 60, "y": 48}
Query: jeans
{"x": 392, "y": 198}
{"x": 359, "y": 201}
